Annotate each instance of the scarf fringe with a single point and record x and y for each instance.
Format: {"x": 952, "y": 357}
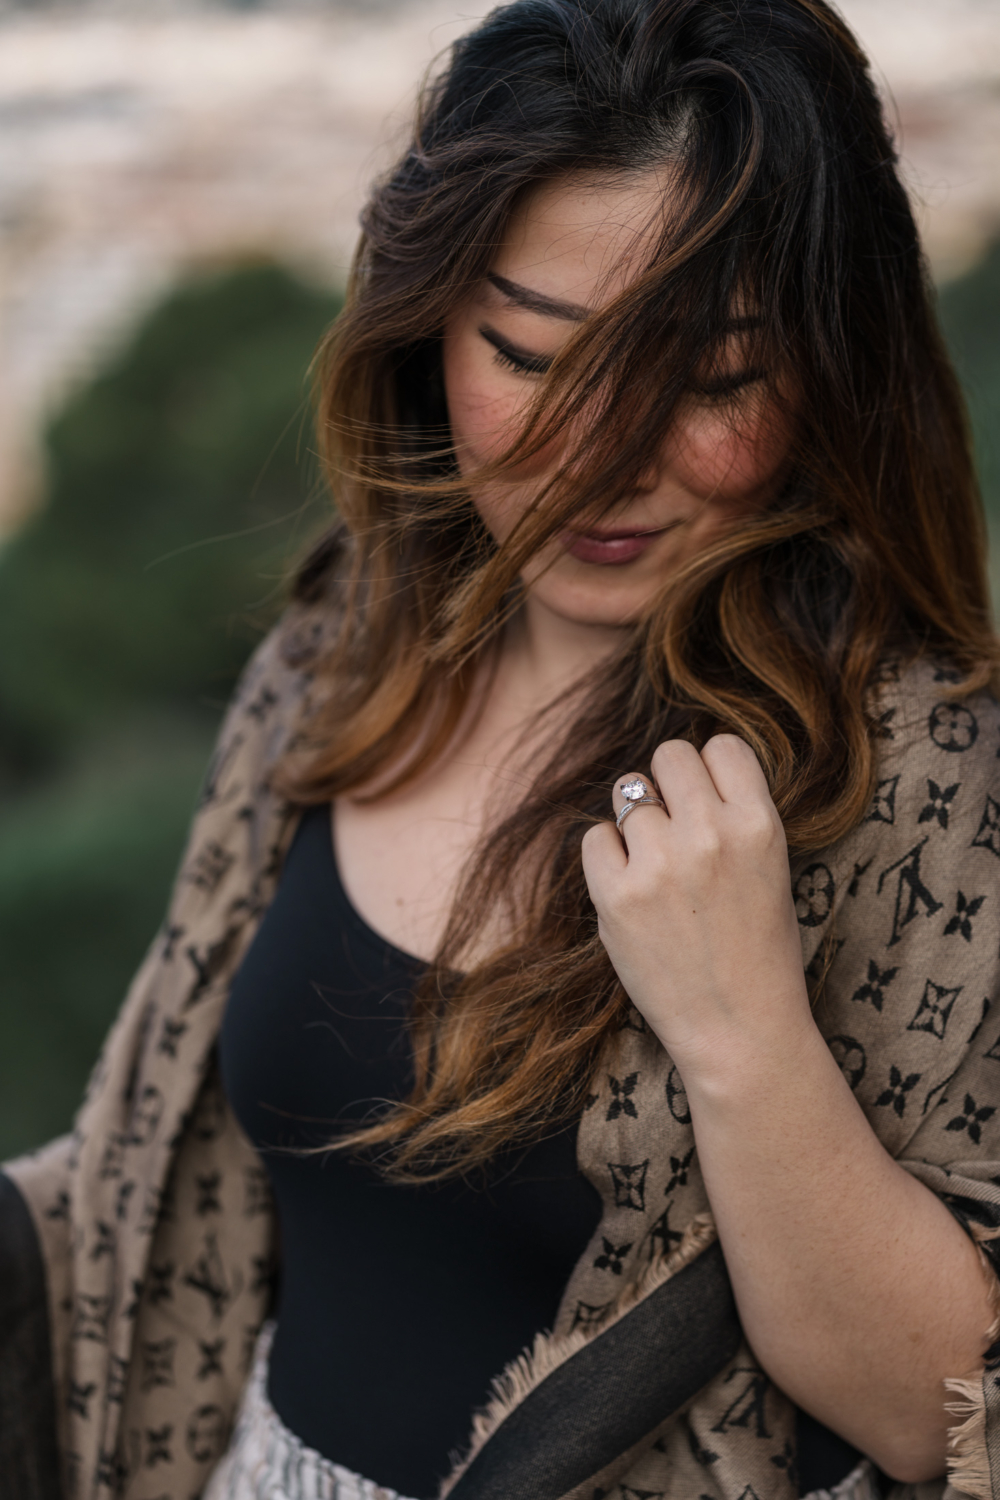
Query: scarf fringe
{"x": 551, "y": 1350}
{"x": 968, "y": 1460}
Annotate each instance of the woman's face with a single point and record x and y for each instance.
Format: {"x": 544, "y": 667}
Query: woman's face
{"x": 573, "y": 246}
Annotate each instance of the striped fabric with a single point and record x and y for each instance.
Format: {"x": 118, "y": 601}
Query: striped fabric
{"x": 267, "y": 1462}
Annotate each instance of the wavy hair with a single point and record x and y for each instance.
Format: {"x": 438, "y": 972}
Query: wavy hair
{"x": 785, "y": 200}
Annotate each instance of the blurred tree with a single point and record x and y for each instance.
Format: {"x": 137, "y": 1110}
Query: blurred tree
{"x": 970, "y": 316}
{"x": 176, "y": 496}
{"x": 86, "y": 861}
{"x": 180, "y": 488}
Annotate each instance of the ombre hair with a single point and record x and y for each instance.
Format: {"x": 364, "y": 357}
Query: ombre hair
{"x": 786, "y": 204}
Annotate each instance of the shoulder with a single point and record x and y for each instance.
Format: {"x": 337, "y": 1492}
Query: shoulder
{"x": 242, "y": 816}
{"x": 922, "y": 868}
{"x": 938, "y": 765}
{"x": 938, "y": 771}
{"x": 278, "y": 686}
{"x": 923, "y": 725}
{"x": 904, "y": 909}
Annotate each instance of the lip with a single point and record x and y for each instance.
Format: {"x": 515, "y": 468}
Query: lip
{"x": 609, "y": 548}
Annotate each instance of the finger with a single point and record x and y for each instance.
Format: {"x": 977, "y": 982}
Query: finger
{"x": 684, "y": 781}
{"x": 603, "y": 858}
{"x": 735, "y": 770}
{"x": 650, "y": 816}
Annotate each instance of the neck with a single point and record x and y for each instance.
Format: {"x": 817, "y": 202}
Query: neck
{"x": 546, "y": 653}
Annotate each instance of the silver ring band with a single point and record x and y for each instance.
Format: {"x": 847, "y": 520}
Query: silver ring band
{"x": 639, "y": 802}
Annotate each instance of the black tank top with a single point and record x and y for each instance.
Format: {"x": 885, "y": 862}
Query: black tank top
{"x": 396, "y": 1305}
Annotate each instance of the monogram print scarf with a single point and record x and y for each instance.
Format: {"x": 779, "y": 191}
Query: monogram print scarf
{"x": 156, "y": 1225}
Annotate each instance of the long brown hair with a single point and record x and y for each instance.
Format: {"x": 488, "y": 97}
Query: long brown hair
{"x": 786, "y": 200}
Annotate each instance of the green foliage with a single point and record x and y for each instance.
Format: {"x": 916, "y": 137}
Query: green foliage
{"x": 176, "y": 498}
{"x": 85, "y": 864}
{"x": 180, "y": 488}
{"x": 970, "y": 316}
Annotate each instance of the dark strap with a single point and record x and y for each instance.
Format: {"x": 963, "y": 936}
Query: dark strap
{"x": 29, "y": 1463}
{"x": 614, "y": 1392}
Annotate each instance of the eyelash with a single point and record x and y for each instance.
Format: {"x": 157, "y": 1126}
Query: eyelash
{"x": 720, "y": 390}
{"x": 511, "y": 359}
{"x": 537, "y": 364}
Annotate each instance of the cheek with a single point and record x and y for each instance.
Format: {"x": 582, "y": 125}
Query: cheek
{"x": 484, "y": 404}
{"x": 479, "y": 415}
{"x": 487, "y": 404}
{"x": 486, "y": 407}
{"x": 717, "y": 456}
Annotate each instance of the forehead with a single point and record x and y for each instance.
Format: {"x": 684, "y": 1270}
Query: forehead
{"x": 582, "y": 238}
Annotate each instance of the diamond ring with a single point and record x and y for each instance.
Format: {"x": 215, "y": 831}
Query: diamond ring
{"x": 636, "y": 794}
{"x": 633, "y": 790}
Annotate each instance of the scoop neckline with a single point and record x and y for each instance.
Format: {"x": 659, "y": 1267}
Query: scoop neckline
{"x": 363, "y": 927}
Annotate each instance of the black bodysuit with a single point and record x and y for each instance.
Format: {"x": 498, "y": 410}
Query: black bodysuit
{"x": 396, "y": 1305}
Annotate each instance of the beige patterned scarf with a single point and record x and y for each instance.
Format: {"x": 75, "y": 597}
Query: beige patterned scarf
{"x": 156, "y": 1221}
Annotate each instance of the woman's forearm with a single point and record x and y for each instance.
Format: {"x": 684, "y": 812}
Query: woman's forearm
{"x": 858, "y": 1291}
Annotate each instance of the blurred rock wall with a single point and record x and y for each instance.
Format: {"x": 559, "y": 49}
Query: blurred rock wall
{"x": 141, "y": 138}
{"x": 137, "y": 144}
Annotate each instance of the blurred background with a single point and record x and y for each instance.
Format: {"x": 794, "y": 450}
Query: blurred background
{"x": 179, "y": 189}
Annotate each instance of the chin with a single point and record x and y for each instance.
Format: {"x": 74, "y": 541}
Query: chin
{"x": 606, "y": 608}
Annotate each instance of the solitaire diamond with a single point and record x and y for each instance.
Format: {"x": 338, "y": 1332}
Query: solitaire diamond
{"x": 633, "y": 790}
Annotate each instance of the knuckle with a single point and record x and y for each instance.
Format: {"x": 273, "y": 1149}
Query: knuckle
{"x": 672, "y": 749}
{"x": 706, "y": 844}
{"x": 764, "y": 827}
{"x": 642, "y": 885}
{"x": 758, "y": 825}
{"x": 728, "y": 749}
{"x": 615, "y": 907}
{"x": 726, "y": 739}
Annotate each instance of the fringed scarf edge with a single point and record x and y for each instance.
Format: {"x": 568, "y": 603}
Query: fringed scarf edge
{"x": 968, "y": 1457}
{"x": 551, "y": 1350}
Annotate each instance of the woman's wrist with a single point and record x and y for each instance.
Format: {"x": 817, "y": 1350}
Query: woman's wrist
{"x": 742, "y": 1062}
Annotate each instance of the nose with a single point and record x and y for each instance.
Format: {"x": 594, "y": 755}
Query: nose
{"x": 649, "y": 476}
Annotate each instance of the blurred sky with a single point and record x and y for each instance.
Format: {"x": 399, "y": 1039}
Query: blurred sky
{"x": 141, "y": 137}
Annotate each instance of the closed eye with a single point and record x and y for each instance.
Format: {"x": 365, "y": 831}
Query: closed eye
{"x": 727, "y": 385}
{"x": 515, "y": 358}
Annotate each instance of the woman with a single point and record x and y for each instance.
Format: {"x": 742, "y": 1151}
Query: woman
{"x": 654, "y": 486}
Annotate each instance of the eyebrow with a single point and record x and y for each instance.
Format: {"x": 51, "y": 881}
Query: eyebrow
{"x": 537, "y": 302}
{"x": 575, "y": 312}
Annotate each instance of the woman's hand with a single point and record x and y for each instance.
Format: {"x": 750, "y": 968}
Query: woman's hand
{"x": 696, "y": 911}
